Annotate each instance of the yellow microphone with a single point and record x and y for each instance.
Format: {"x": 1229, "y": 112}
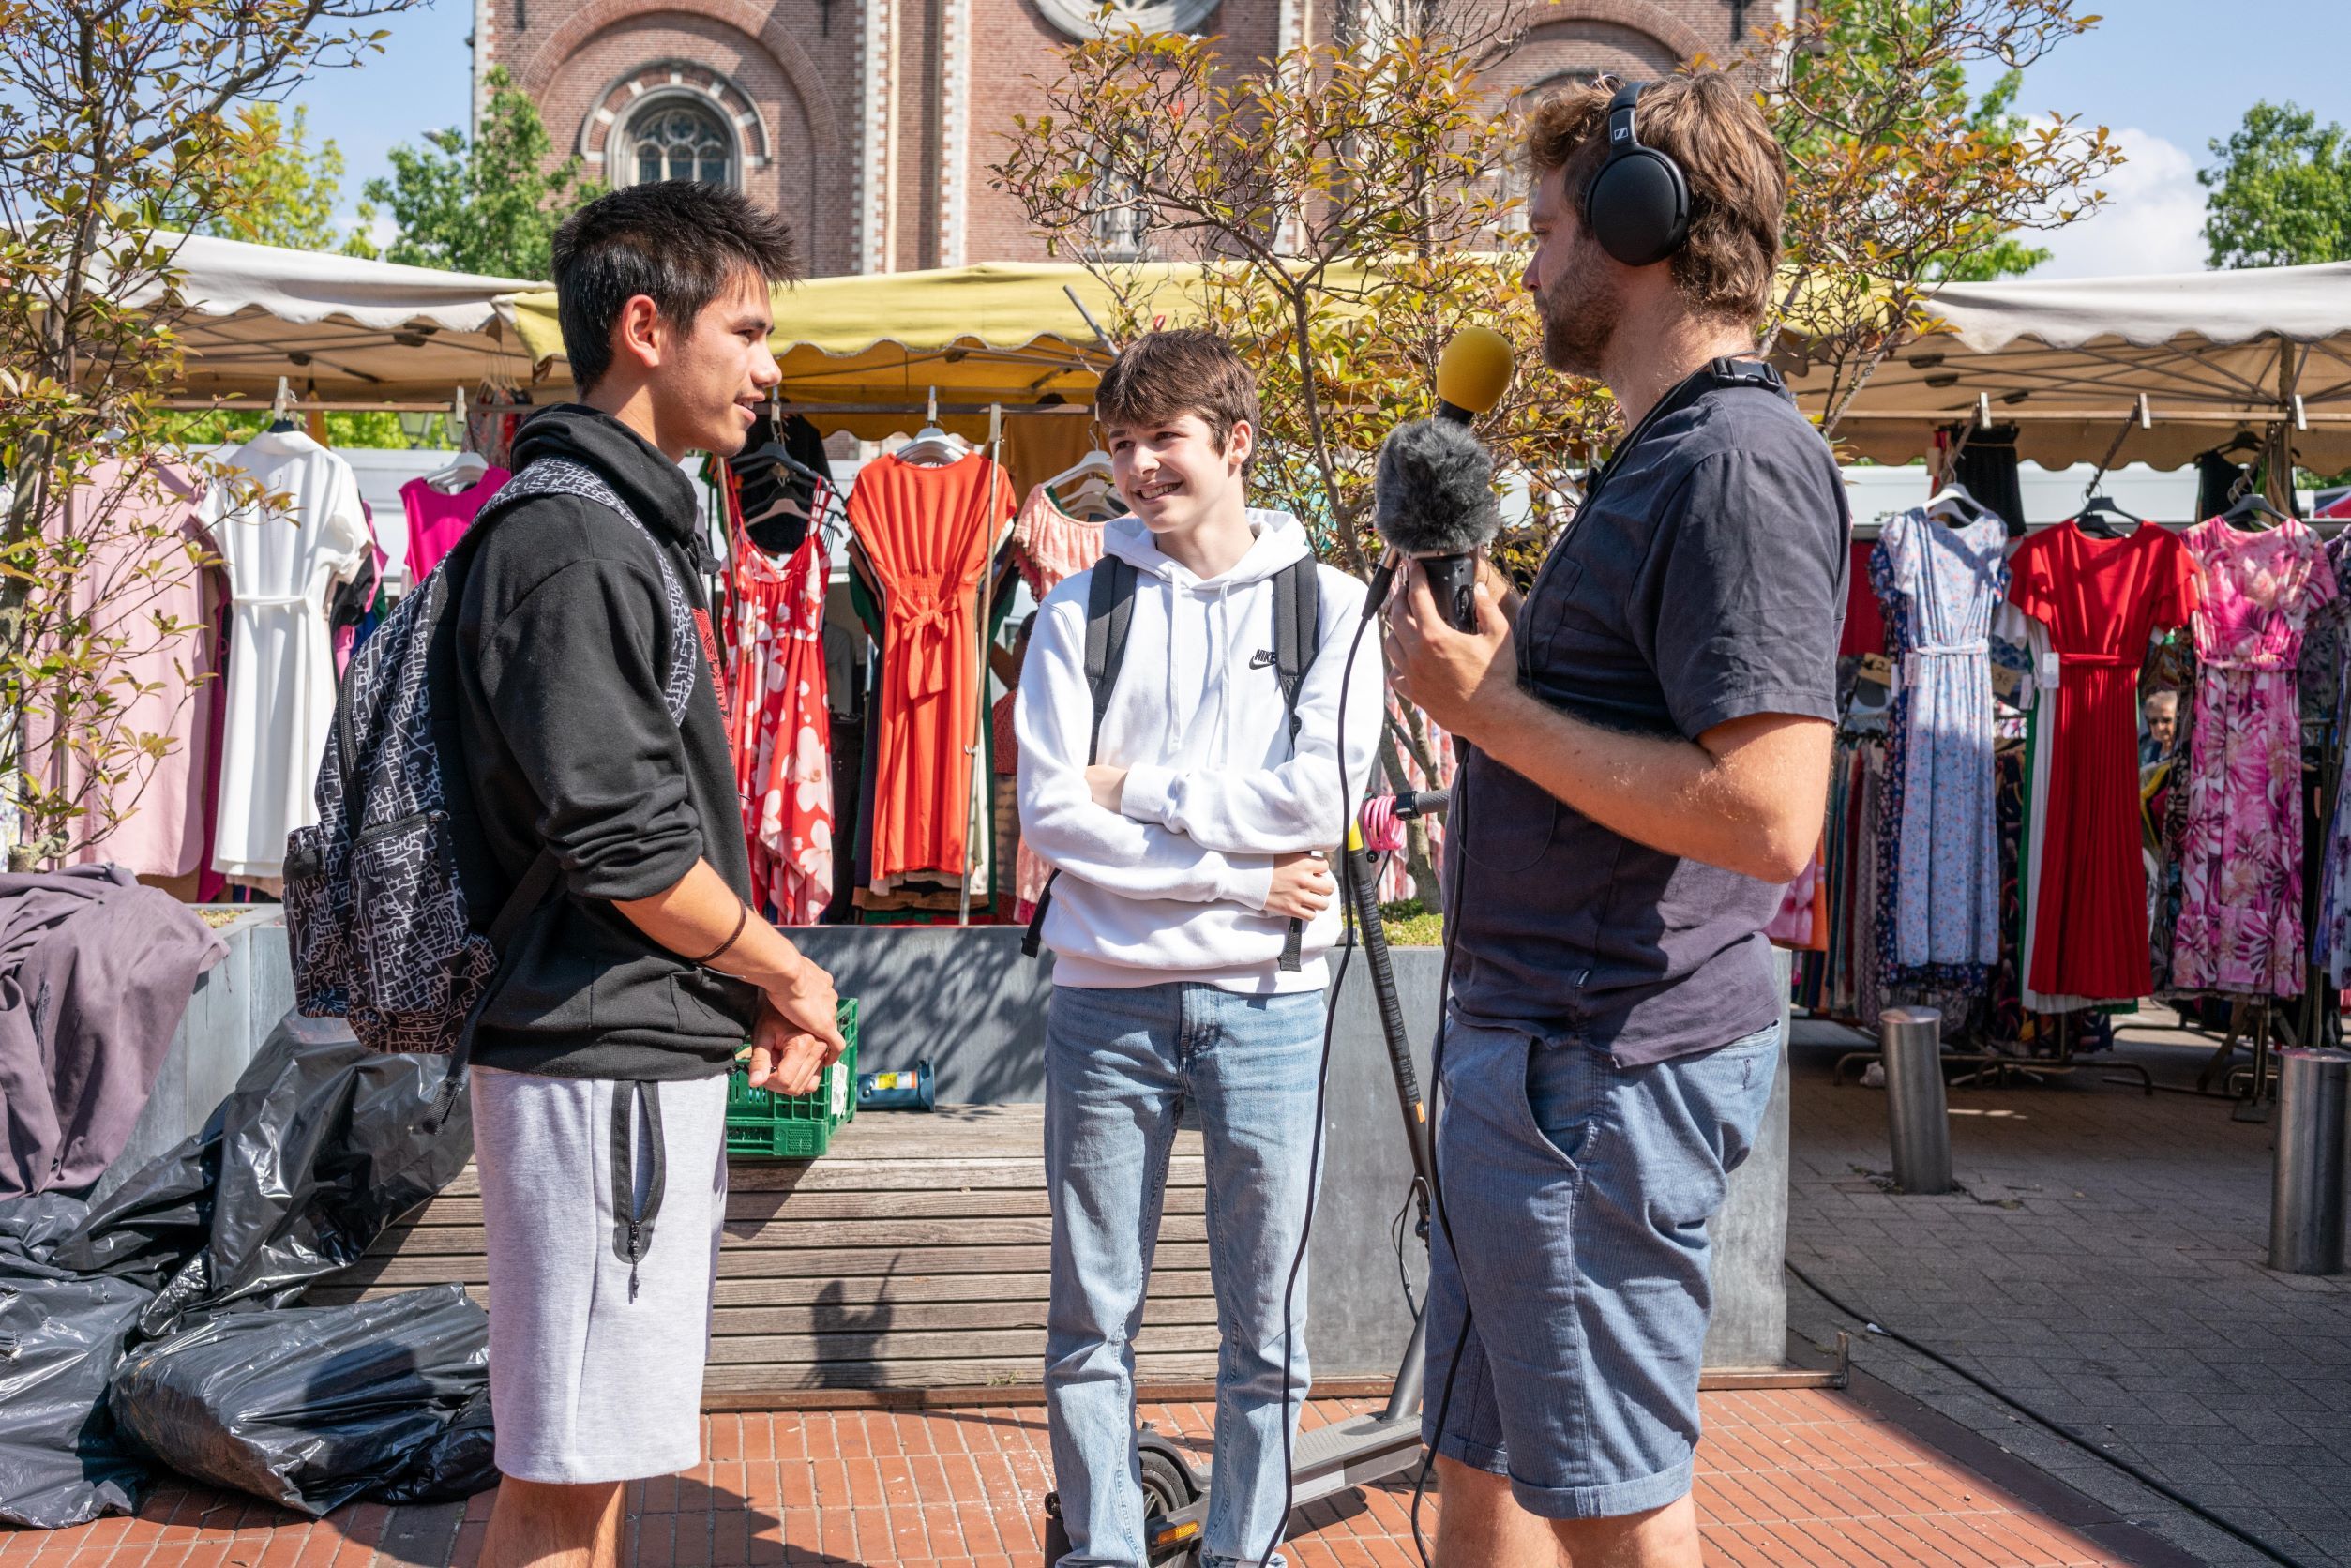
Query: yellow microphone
{"x": 1432, "y": 492}
{"x": 1472, "y": 374}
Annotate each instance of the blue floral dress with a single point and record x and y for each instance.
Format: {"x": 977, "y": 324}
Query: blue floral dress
{"x": 1941, "y": 583}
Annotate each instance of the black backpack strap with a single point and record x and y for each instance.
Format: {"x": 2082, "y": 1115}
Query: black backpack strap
{"x": 1110, "y": 615}
{"x": 1296, "y": 637}
{"x": 525, "y": 901}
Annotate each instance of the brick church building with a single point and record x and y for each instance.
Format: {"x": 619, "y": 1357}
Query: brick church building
{"x": 872, "y": 123}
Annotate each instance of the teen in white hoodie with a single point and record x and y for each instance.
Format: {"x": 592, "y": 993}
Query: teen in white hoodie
{"x": 1183, "y": 852}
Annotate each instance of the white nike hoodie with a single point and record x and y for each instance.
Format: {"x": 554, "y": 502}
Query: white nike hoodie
{"x": 1173, "y": 887}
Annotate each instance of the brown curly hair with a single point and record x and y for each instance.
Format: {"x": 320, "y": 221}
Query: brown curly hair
{"x": 1711, "y": 125}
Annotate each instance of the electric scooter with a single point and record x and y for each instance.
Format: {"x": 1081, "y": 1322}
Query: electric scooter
{"x": 1369, "y": 1448}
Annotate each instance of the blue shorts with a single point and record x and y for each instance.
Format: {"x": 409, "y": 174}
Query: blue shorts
{"x": 1579, "y": 1193}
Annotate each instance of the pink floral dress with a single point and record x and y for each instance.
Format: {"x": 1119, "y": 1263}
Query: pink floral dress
{"x": 2241, "y": 915}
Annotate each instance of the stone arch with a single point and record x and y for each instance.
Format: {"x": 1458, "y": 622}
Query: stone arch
{"x": 665, "y": 79}
{"x": 537, "y": 71}
{"x": 1638, "y": 16}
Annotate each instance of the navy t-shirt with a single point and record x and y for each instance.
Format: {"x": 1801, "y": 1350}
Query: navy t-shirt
{"x": 1702, "y": 582}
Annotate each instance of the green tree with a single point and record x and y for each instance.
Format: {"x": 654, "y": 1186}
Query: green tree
{"x": 490, "y": 206}
{"x": 1345, "y": 208}
{"x": 287, "y": 191}
{"x": 118, "y": 133}
{"x": 2281, "y": 192}
{"x": 1899, "y": 180}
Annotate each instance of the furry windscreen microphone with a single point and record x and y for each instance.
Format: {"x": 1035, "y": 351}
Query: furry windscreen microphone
{"x": 1433, "y": 500}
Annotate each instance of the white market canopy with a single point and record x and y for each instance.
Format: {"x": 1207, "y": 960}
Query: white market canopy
{"x": 338, "y": 328}
{"x": 2071, "y": 362}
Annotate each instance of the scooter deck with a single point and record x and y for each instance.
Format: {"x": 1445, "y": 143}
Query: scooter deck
{"x": 1355, "y": 1453}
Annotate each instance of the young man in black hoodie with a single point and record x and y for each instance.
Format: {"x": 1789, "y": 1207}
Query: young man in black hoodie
{"x": 593, "y": 741}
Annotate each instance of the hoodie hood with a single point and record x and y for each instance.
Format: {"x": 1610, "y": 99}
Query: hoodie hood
{"x": 1280, "y": 540}
{"x": 656, "y": 488}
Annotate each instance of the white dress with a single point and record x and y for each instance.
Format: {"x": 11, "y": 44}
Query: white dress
{"x": 282, "y": 564}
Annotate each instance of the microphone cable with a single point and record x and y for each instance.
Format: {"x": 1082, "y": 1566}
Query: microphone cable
{"x": 1321, "y": 1095}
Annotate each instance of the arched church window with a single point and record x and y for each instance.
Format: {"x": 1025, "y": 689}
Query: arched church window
{"x": 678, "y": 138}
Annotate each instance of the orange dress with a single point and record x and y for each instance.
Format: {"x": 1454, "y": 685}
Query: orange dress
{"x": 929, "y": 534}
{"x": 2100, "y": 599}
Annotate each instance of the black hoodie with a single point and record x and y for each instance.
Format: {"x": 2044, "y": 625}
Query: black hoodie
{"x": 563, "y": 642}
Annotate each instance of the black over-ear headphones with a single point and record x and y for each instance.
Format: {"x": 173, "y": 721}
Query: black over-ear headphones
{"x": 1637, "y": 203}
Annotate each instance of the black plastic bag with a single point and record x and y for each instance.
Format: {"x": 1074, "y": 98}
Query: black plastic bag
{"x": 61, "y": 1460}
{"x": 33, "y": 1223}
{"x": 321, "y": 1145}
{"x": 462, "y": 1461}
{"x": 308, "y": 1407}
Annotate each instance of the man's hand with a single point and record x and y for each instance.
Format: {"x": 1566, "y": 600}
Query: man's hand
{"x": 786, "y": 1059}
{"x": 807, "y": 1005}
{"x": 1107, "y": 785}
{"x": 1467, "y": 681}
{"x": 1303, "y": 887}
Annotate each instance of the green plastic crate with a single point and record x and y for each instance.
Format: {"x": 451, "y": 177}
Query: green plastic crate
{"x": 761, "y": 1125}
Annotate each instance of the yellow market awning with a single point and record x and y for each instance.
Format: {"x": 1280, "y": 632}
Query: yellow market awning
{"x": 1001, "y": 332}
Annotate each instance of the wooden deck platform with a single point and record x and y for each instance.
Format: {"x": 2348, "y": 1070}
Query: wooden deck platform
{"x": 913, "y": 1256}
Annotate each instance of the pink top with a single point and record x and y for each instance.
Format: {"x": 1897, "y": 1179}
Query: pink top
{"x": 1049, "y": 545}
{"x": 437, "y": 520}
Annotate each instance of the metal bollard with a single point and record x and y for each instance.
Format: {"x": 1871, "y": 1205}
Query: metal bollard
{"x": 1918, "y": 1118}
{"x": 2306, "y": 1200}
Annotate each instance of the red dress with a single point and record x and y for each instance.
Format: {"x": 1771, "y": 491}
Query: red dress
{"x": 778, "y": 719}
{"x": 929, "y": 534}
{"x": 2100, "y": 600}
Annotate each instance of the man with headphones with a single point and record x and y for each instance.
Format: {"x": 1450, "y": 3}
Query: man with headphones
{"x": 1646, "y": 766}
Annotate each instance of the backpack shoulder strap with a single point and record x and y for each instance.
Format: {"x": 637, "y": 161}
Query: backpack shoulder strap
{"x": 1297, "y": 638}
{"x": 1297, "y": 631}
{"x": 1110, "y": 615}
{"x": 562, "y": 477}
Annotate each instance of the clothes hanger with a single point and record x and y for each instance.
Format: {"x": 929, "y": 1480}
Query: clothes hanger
{"x": 773, "y": 449}
{"x": 932, "y": 448}
{"x": 2101, "y": 518}
{"x": 464, "y": 471}
{"x": 1095, "y": 464}
{"x": 2251, "y": 513}
{"x": 1956, "y": 506}
{"x": 281, "y": 408}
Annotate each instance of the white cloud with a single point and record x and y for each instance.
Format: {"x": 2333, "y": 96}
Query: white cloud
{"x": 2151, "y": 221}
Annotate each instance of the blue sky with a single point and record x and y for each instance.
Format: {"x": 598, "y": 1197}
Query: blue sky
{"x": 2167, "y": 76}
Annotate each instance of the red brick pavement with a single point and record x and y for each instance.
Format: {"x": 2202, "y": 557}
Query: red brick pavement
{"x": 1785, "y": 1478}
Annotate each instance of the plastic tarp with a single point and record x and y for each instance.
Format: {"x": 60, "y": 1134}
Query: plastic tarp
{"x": 2067, "y": 359}
{"x": 320, "y": 1146}
{"x": 312, "y": 1406}
{"x": 336, "y": 326}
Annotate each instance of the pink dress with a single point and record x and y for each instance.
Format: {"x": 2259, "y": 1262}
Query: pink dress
{"x": 146, "y": 570}
{"x": 2240, "y": 913}
{"x": 437, "y": 519}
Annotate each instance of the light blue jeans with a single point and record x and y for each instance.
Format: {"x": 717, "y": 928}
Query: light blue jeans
{"x": 1120, "y": 1066}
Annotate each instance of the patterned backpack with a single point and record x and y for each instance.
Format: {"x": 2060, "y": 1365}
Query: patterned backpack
{"x": 381, "y": 932}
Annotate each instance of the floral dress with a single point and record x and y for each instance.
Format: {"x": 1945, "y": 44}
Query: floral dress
{"x": 1940, "y": 583}
{"x": 2241, "y": 915}
{"x": 780, "y": 723}
{"x": 2330, "y": 943}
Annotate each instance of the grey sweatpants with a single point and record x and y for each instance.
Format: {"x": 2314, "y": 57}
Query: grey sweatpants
{"x": 595, "y": 1361}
